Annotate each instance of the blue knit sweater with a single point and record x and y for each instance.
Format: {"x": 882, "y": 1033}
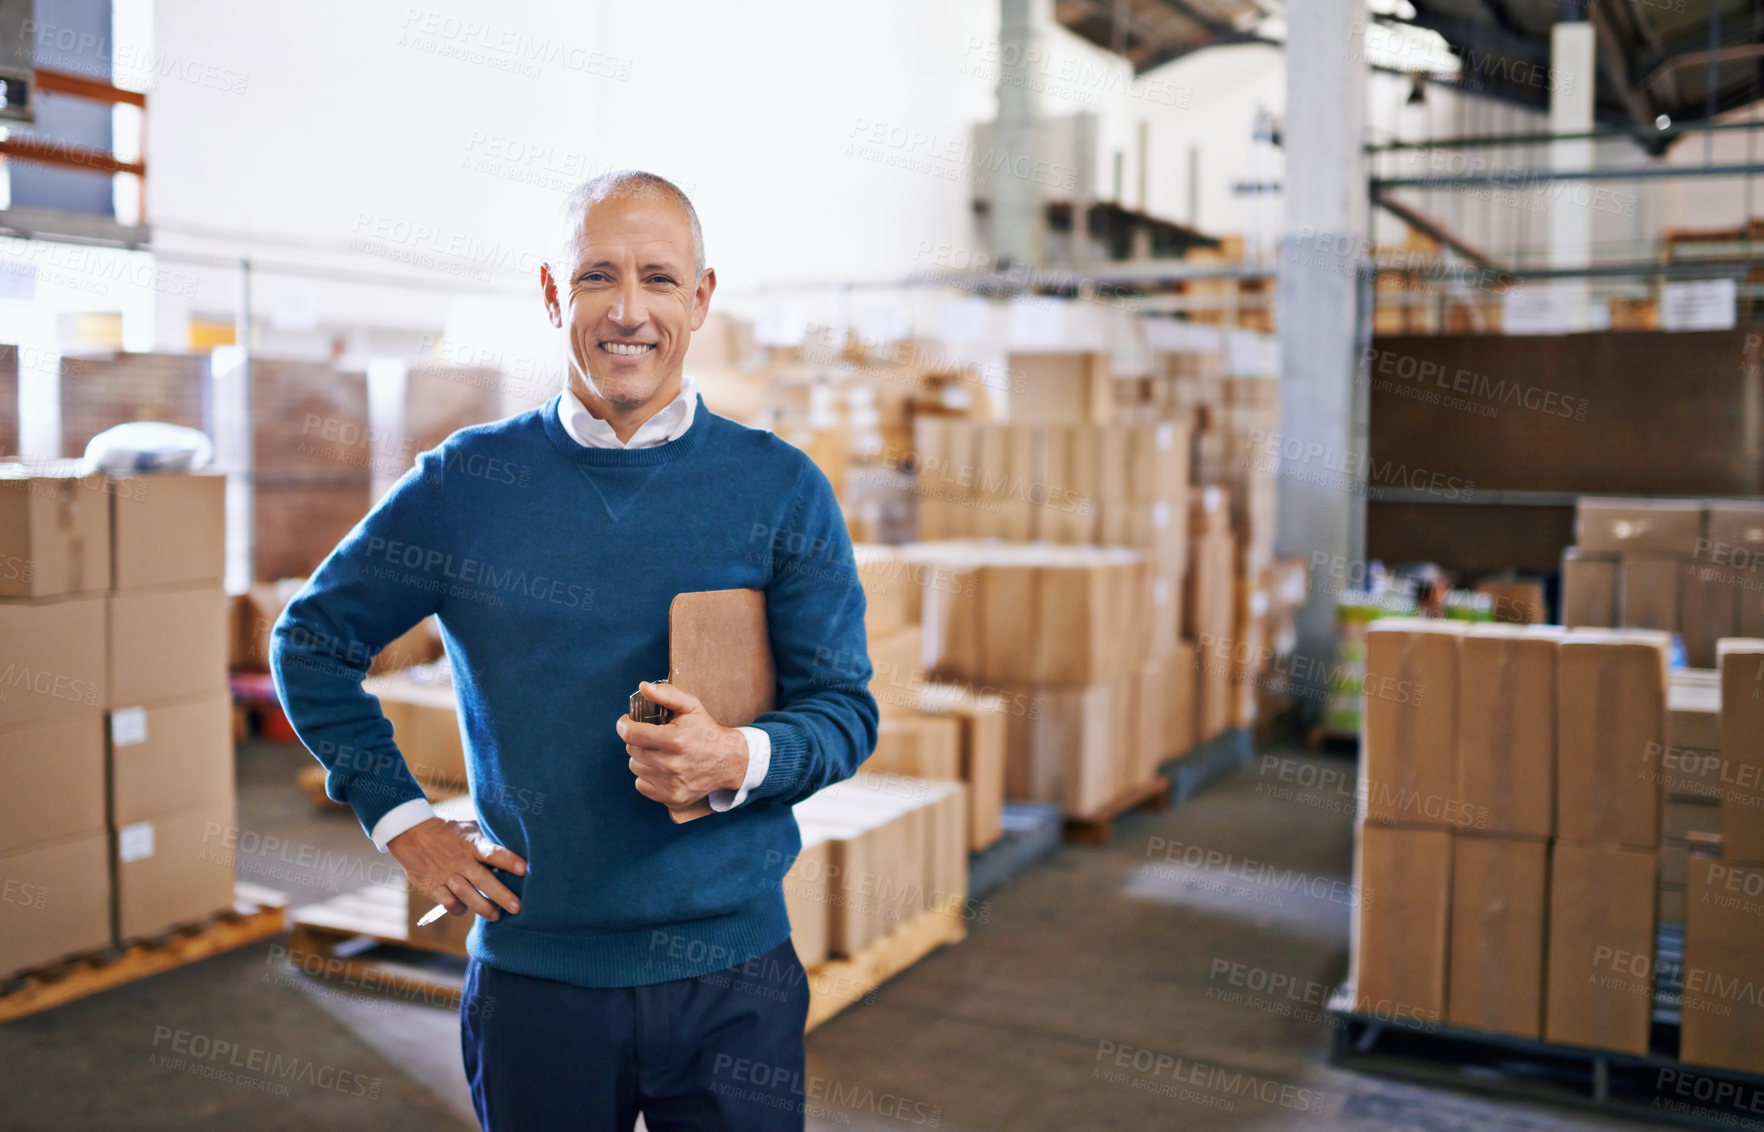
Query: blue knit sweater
{"x": 551, "y": 567}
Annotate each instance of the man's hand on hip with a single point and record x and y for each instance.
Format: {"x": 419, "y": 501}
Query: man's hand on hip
{"x": 681, "y": 762}
{"x": 450, "y": 861}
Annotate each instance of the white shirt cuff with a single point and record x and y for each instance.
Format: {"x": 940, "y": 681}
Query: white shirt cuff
{"x": 405, "y": 815}
{"x": 759, "y": 760}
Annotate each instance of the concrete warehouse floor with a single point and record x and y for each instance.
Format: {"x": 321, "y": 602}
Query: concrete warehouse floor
{"x": 1092, "y": 953}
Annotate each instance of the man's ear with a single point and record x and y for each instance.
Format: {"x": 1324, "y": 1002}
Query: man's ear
{"x": 548, "y": 288}
{"x": 701, "y": 296}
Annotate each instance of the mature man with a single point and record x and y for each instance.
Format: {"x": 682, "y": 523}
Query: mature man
{"x": 622, "y": 962}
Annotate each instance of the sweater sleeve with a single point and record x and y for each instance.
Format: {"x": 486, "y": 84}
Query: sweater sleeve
{"x": 359, "y": 600}
{"x": 825, "y": 723}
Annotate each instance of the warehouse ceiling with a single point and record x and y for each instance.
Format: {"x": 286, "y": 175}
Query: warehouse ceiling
{"x": 1689, "y": 60}
{"x": 1150, "y": 33}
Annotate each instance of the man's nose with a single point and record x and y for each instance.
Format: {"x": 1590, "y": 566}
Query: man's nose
{"x": 628, "y": 309}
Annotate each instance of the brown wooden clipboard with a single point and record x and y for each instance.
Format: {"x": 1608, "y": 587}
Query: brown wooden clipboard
{"x": 719, "y": 650}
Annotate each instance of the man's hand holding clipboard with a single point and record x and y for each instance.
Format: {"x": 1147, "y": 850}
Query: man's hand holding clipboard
{"x": 720, "y": 678}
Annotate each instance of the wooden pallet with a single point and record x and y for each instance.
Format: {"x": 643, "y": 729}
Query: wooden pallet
{"x": 257, "y": 913}
{"x": 1633, "y": 1086}
{"x": 837, "y": 983}
{"x": 1097, "y": 827}
{"x": 360, "y": 937}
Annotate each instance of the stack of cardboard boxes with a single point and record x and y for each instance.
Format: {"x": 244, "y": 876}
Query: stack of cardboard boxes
{"x": 1407, "y": 810}
{"x": 1212, "y": 613}
{"x": 1604, "y": 870}
{"x": 928, "y": 730}
{"x": 54, "y": 848}
{"x": 878, "y": 850}
{"x": 116, "y": 638}
{"x": 1058, "y": 633}
{"x": 1723, "y": 1011}
{"x": 1510, "y": 828}
{"x": 1685, "y": 566}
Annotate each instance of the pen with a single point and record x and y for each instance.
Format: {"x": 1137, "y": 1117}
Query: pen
{"x": 432, "y": 915}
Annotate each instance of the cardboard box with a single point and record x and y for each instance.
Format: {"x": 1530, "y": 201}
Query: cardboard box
{"x": 1408, "y": 757}
{"x": 896, "y": 669}
{"x": 1648, "y": 592}
{"x": 1623, "y": 526}
{"x": 1722, "y": 1021}
{"x": 1733, "y": 524}
{"x": 54, "y": 781}
{"x": 168, "y": 530}
{"x": 1741, "y": 662}
{"x": 921, "y": 746}
{"x": 171, "y": 755}
{"x": 806, "y": 892}
{"x": 166, "y": 643}
{"x": 1061, "y": 388}
{"x": 1599, "y": 978}
{"x": 1589, "y": 589}
{"x": 889, "y": 605}
{"x": 171, "y": 870}
{"x": 1499, "y": 905}
{"x": 53, "y": 667}
{"x": 1063, "y": 748}
{"x": 1709, "y": 605}
{"x": 1517, "y": 603}
{"x": 1610, "y": 730}
{"x": 1400, "y": 940}
{"x": 425, "y": 728}
{"x": 1506, "y": 756}
{"x": 54, "y": 530}
{"x": 57, "y": 901}
{"x": 1164, "y": 625}
{"x": 984, "y": 727}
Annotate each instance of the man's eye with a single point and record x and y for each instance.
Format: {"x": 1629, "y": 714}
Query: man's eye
{"x": 592, "y": 277}
{"x": 664, "y": 280}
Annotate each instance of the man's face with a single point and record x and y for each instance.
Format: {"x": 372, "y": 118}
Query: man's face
{"x": 629, "y": 302}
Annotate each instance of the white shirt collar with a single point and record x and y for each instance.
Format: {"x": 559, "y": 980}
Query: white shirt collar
{"x": 590, "y": 431}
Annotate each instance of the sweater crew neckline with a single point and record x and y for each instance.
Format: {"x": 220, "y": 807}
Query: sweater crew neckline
{"x": 665, "y": 453}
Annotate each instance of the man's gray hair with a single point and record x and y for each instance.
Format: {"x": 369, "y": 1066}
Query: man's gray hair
{"x": 622, "y": 183}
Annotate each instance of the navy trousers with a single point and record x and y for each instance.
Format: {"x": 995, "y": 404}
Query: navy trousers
{"x": 719, "y": 1051}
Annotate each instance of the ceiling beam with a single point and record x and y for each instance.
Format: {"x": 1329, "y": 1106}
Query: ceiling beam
{"x": 1613, "y": 63}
